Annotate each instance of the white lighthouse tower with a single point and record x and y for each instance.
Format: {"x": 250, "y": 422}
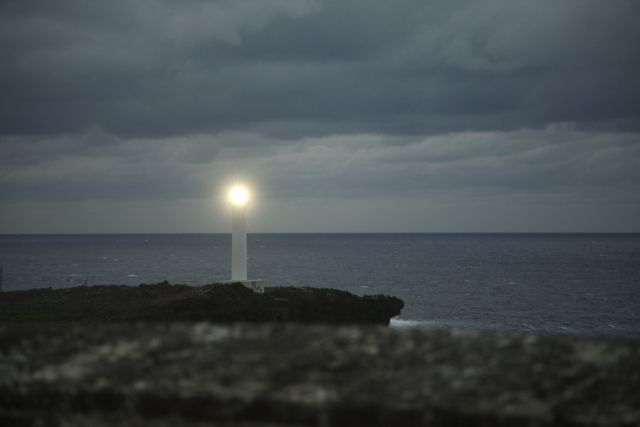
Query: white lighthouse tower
{"x": 238, "y": 196}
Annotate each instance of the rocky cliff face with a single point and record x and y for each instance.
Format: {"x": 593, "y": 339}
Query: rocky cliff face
{"x": 257, "y": 375}
{"x": 216, "y": 303}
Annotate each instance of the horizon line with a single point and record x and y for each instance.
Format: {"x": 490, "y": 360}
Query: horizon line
{"x": 312, "y": 232}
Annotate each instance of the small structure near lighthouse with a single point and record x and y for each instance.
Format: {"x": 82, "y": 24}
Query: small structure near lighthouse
{"x": 239, "y": 196}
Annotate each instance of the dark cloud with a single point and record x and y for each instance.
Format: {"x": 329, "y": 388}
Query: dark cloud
{"x": 160, "y": 67}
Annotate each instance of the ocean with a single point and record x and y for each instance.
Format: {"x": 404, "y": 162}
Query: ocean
{"x": 543, "y": 283}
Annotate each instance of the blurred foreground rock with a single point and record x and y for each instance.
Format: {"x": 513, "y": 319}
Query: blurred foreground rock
{"x": 216, "y": 303}
{"x": 197, "y": 374}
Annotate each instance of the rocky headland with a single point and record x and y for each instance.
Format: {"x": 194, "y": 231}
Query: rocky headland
{"x": 214, "y": 303}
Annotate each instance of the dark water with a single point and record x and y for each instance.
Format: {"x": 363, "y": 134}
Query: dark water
{"x": 575, "y": 283}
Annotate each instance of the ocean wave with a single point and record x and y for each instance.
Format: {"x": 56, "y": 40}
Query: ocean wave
{"x": 412, "y": 323}
{"x": 444, "y": 323}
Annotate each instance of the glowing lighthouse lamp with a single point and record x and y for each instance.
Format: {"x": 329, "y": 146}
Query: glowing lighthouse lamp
{"x": 238, "y": 196}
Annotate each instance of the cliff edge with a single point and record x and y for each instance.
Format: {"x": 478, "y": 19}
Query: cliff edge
{"x": 214, "y": 303}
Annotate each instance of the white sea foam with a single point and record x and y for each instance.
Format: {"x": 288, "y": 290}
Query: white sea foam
{"x": 443, "y": 324}
{"x": 411, "y": 323}
{"x": 403, "y": 323}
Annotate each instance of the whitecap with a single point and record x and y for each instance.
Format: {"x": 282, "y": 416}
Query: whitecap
{"x": 412, "y": 323}
{"x": 403, "y": 323}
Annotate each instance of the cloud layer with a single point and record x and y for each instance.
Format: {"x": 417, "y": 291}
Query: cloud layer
{"x": 524, "y": 110}
{"x": 303, "y": 66}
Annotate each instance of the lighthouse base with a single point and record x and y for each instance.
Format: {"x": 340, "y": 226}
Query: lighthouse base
{"x": 255, "y": 284}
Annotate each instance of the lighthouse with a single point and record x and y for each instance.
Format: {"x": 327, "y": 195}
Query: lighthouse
{"x": 239, "y": 197}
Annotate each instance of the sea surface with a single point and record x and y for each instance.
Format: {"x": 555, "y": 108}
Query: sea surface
{"x": 546, "y": 283}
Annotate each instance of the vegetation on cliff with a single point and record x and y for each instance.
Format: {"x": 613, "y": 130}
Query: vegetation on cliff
{"x": 215, "y": 302}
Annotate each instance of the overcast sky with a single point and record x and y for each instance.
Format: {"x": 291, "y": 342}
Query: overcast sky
{"x": 344, "y": 115}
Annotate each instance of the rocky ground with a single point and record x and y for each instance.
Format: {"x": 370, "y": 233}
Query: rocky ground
{"x": 203, "y": 374}
{"x": 215, "y": 302}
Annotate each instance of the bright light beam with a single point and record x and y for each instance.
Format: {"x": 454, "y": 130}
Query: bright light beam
{"x": 238, "y": 195}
